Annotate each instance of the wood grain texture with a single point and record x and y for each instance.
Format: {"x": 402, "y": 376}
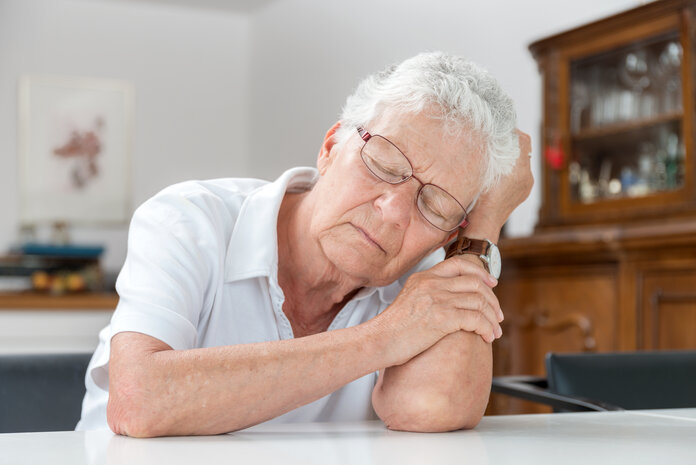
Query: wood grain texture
{"x": 38, "y": 301}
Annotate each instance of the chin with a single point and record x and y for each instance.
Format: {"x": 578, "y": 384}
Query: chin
{"x": 349, "y": 261}
{"x": 354, "y": 261}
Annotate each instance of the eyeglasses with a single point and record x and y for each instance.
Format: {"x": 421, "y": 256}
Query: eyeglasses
{"x": 386, "y": 162}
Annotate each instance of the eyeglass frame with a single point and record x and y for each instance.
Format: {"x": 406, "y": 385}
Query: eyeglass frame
{"x": 366, "y": 136}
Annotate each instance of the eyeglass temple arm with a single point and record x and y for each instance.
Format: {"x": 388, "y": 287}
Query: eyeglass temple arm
{"x": 468, "y": 210}
{"x": 364, "y": 135}
{"x": 472, "y": 204}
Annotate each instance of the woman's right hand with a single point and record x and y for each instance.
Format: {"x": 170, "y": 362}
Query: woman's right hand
{"x": 454, "y": 295}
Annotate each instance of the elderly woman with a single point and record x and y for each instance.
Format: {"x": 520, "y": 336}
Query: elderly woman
{"x": 321, "y": 296}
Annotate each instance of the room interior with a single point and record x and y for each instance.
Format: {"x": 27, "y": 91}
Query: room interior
{"x": 598, "y": 259}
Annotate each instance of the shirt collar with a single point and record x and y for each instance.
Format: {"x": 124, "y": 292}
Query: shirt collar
{"x": 253, "y": 247}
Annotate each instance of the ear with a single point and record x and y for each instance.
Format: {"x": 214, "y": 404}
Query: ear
{"x": 325, "y": 158}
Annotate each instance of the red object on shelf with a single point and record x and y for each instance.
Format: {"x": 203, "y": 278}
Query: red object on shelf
{"x": 554, "y": 156}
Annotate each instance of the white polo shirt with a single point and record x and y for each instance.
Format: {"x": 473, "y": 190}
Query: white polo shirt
{"x": 202, "y": 271}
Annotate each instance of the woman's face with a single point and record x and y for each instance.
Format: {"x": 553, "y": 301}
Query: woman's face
{"x": 372, "y": 230}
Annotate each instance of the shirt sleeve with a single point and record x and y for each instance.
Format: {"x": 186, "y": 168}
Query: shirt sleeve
{"x": 173, "y": 245}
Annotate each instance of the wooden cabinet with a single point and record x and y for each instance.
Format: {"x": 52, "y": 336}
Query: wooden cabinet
{"x": 619, "y": 118}
{"x": 612, "y": 263}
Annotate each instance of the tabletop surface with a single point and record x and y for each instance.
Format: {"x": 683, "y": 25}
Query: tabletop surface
{"x": 630, "y": 437}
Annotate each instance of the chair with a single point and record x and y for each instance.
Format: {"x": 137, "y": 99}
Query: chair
{"x": 41, "y": 392}
{"x": 609, "y": 381}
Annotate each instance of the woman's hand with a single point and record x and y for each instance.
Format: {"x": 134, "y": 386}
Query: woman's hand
{"x": 451, "y": 296}
{"x": 495, "y": 206}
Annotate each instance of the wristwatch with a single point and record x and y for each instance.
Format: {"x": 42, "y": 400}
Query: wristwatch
{"x": 486, "y": 250}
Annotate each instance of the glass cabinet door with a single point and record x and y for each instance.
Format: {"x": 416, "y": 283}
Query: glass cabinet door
{"x": 625, "y": 122}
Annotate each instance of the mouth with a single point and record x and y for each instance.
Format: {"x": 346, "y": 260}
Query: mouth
{"x": 369, "y": 239}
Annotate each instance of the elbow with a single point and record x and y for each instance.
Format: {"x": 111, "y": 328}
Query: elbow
{"x": 430, "y": 413}
{"x": 128, "y": 414}
{"x": 122, "y": 420}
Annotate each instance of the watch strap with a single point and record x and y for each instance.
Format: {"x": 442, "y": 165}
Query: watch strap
{"x": 466, "y": 245}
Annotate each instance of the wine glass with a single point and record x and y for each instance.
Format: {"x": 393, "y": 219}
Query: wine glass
{"x": 579, "y": 105}
{"x": 634, "y": 73}
{"x": 668, "y": 74}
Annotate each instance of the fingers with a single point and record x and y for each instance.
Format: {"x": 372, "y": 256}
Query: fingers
{"x": 459, "y": 266}
{"x": 470, "y": 290}
{"x": 476, "y": 322}
{"x": 474, "y": 287}
{"x": 468, "y": 295}
{"x": 469, "y": 304}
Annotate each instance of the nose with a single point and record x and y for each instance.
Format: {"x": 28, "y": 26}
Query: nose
{"x": 397, "y": 203}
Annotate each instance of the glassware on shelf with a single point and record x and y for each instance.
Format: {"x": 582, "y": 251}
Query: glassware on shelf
{"x": 614, "y": 187}
{"x": 672, "y": 162}
{"x": 596, "y": 96}
{"x": 667, "y": 74}
{"x": 587, "y": 189}
{"x": 624, "y": 122}
{"x": 628, "y": 179}
{"x": 646, "y": 164}
{"x": 634, "y": 73}
{"x": 579, "y": 106}
{"x": 604, "y": 178}
{"x": 610, "y": 98}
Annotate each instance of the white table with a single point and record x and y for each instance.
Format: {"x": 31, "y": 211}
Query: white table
{"x": 630, "y": 437}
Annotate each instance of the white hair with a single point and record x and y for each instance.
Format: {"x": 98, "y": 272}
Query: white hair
{"x": 465, "y": 96}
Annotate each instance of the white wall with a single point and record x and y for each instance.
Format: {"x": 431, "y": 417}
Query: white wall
{"x": 189, "y": 69}
{"x": 307, "y": 56}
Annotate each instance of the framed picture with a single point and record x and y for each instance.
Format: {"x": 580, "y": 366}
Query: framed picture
{"x": 74, "y": 150}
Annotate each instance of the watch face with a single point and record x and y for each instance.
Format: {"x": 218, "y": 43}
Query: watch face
{"x": 495, "y": 263}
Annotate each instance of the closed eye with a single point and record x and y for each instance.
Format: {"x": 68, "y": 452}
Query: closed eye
{"x": 432, "y": 209}
{"x": 392, "y": 170}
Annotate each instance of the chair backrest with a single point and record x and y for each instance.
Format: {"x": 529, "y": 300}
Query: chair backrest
{"x": 41, "y": 392}
{"x": 631, "y": 380}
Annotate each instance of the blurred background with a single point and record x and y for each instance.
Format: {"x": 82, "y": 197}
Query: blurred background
{"x": 244, "y": 88}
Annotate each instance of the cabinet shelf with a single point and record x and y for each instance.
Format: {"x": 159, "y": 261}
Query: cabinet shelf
{"x": 627, "y": 126}
{"x": 35, "y": 300}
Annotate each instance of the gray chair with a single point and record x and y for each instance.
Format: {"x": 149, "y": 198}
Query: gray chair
{"x": 41, "y": 392}
{"x": 609, "y": 381}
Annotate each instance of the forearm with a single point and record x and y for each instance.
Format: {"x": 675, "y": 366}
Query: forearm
{"x": 221, "y": 389}
{"x": 447, "y": 386}
{"x": 442, "y": 389}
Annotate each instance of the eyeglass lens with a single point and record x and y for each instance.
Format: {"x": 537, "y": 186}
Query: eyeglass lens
{"x": 389, "y": 164}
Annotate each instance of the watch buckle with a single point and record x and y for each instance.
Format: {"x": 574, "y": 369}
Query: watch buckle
{"x": 459, "y": 246}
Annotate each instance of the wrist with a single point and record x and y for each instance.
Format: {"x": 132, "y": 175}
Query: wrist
{"x": 492, "y": 233}
{"x": 481, "y": 227}
{"x": 377, "y": 336}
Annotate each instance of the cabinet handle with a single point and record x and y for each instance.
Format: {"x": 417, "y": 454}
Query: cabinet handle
{"x": 540, "y": 319}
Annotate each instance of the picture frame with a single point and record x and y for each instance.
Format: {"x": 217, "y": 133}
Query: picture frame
{"x": 75, "y": 143}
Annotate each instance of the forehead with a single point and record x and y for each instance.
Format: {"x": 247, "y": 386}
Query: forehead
{"x": 451, "y": 161}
